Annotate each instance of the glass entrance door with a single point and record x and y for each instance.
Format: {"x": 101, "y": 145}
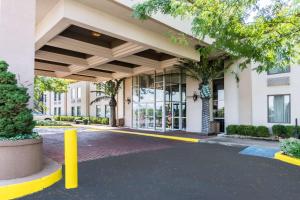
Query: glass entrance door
{"x": 159, "y": 101}
{"x": 146, "y": 116}
{"x": 218, "y": 102}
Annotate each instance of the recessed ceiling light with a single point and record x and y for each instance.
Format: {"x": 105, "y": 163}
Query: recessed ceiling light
{"x": 96, "y": 34}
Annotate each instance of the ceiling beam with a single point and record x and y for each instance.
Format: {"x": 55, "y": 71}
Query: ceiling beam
{"x": 44, "y": 73}
{"x": 95, "y": 73}
{"x": 81, "y": 78}
{"x": 51, "y": 67}
{"x": 138, "y": 60}
{"x": 79, "y": 46}
{"x": 61, "y": 58}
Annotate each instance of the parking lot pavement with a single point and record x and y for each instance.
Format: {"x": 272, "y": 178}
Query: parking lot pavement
{"x": 188, "y": 171}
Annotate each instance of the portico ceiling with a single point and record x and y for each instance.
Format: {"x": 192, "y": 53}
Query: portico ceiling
{"x": 78, "y": 42}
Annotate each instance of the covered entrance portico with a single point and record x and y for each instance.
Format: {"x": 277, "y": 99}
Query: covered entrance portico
{"x": 81, "y": 40}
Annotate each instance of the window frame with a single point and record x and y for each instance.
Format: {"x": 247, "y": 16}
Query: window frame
{"x": 290, "y": 114}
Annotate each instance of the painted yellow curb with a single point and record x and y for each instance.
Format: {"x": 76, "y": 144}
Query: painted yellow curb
{"x": 185, "y": 139}
{"x": 21, "y": 189}
{"x": 288, "y": 159}
{"x": 54, "y": 126}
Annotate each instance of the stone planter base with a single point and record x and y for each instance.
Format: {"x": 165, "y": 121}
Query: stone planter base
{"x": 20, "y": 158}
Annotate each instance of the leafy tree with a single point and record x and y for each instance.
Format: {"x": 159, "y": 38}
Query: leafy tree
{"x": 109, "y": 90}
{"x": 44, "y": 84}
{"x": 204, "y": 71}
{"x": 268, "y": 35}
{"x": 15, "y": 117}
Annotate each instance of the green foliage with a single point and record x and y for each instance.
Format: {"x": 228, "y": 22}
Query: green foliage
{"x": 15, "y": 117}
{"x": 51, "y": 123}
{"x": 267, "y": 35}
{"x": 280, "y": 131}
{"x": 248, "y": 130}
{"x": 232, "y": 129}
{"x": 44, "y": 84}
{"x": 284, "y": 131}
{"x": 93, "y": 120}
{"x": 21, "y": 137}
{"x": 262, "y": 131}
{"x": 291, "y": 147}
{"x": 105, "y": 121}
{"x": 65, "y": 118}
{"x": 108, "y": 89}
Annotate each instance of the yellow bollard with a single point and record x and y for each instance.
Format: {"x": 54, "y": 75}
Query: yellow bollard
{"x": 71, "y": 160}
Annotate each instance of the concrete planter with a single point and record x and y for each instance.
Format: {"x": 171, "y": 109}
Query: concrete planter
{"x": 20, "y": 158}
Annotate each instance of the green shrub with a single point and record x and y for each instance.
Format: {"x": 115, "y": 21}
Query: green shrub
{"x": 57, "y": 118}
{"x": 15, "y": 117}
{"x": 250, "y": 130}
{"x": 232, "y": 129}
{"x": 280, "y": 130}
{"x": 262, "y": 131}
{"x": 21, "y": 137}
{"x": 67, "y": 118}
{"x": 51, "y": 123}
{"x": 291, "y": 147}
{"x": 105, "y": 121}
{"x": 291, "y": 131}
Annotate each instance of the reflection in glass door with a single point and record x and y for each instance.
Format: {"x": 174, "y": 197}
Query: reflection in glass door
{"x": 146, "y": 115}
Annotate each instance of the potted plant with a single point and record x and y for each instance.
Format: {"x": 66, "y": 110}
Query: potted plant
{"x": 21, "y": 151}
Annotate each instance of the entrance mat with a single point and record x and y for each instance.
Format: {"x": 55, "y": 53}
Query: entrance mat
{"x": 260, "y": 151}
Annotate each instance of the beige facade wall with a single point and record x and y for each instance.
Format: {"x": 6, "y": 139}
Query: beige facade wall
{"x": 17, "y": 37}
{"x": 79, "y": 99}
{"x": 128, "y": 106}
{"x": 194, "y": 108}
{"x": 261, "y": 90}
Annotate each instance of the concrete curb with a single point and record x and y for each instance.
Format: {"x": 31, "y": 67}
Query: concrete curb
{"x": 288, "y": 159}
{"x": 16, "y": 188}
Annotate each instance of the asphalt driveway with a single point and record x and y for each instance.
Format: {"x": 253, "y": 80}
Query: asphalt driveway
{"x": 186, "y": 171}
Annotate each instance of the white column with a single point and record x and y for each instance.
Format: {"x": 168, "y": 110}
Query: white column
{"x": 17, "y": 37}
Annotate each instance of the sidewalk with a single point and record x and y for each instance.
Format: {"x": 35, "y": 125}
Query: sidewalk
{"x": 240, "y": 142}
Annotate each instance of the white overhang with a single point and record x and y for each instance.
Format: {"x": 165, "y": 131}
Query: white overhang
{"x": 100, "y": 41}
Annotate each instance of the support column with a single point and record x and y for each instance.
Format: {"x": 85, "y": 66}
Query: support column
{"x": 17, "y": 38}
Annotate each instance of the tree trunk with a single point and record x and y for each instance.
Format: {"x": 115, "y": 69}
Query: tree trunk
{"x": 112, "y": 117}
{"x": 205, "y": 115}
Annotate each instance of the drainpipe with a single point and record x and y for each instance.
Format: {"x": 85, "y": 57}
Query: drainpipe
{"x": 297, "y": 129}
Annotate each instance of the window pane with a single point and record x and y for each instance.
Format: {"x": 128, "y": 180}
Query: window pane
{"x": 78, "y": 111}
{"x": 78, "y": 93}
{"x": 279, "y": 109}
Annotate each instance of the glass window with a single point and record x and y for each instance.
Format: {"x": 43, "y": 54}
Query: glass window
{"x": 79, "y": 93}
{"x": 279, "y": 109}
{"x": 78, "y": 111}
{"x": 98, "y": 111}
{"x": 59, "y": 111}
{"x": 73, "y": 93}
{"x": 278, "y": 70}
{"x": 107, "y": 111}
{"x": 73, "y": 111}
{"x": 55, "y": 111}
{"x": 59, "y": 96}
